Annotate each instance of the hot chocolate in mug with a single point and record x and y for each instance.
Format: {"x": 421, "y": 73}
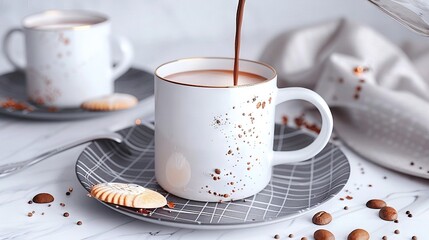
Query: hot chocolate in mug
{"x": 68, "y": 57}
{"x": 214, "y": 140}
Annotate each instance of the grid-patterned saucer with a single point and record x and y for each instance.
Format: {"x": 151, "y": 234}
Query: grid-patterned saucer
{"x": 294, "y": 189}
{"x": 12, "y": 85}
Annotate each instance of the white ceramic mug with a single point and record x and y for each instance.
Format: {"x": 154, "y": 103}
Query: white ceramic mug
{"x": 199, "y": 131}
{"x": 68, "y": 57}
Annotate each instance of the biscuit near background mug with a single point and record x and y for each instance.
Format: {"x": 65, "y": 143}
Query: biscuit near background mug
{"x": 216, "y": 143}
{"x": 68, "y": 57}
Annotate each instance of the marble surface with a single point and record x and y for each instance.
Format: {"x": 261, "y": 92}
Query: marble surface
{"x": 21, "y": 139}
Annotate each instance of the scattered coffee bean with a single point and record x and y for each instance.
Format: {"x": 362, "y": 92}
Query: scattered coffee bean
{"x": 407, "y": 212}
{"x": 290, "y": 235}
{"x": 66, "y": 214}
{"x": 410, "y": 215}
{"x": 30, "y": 202}
{"x": 346, "y": 208}
{"x": 70, "y": 189}
{"x": 217, "y": 171}
{"x": 30, "y": 214}
{"x": 414, "y": 238}
{"x": 342, "y": 199}
{"x": 276, "y": 236}
{"x": 376, "y": 204}
{"x": 323, "y": 234}
{"x": 384, "y": 238}
{"x": 322, "y": 218}
{"x": 68, "y": 193}
{"x": 358, "y": 234}
{"x": 303, "y": 238}
{"x": 397, "y": 231}
{"x": 79, "y": 223}
{"x": 43, "y": 198}
{"x": 349, "y": 197}
{"x": 388, "y": 213}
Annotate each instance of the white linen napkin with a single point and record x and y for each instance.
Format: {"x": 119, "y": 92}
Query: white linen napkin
{"x": 378, "y": 95}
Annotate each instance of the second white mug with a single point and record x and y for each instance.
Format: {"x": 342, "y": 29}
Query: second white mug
{"x": 68, "y": 57}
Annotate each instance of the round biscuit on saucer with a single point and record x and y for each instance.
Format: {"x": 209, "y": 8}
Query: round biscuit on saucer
{"x": 113, "y": 102}
{"x": 128, "y": 195}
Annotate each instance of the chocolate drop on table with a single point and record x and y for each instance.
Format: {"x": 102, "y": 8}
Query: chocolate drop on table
{"x": 358, "y": 234}
{"x": 322, "y": 218}
{"x": 43, "y": 198}
{"x": 388, "y": 213}
{"x": 376, "y": 204}
{"x": 323, "y": 234}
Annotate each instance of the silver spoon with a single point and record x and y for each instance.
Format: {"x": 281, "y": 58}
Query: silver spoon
{"x": 11, "y": 168}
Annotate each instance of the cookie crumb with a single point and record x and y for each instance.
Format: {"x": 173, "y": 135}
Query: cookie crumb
{"x": 171, "y": 204}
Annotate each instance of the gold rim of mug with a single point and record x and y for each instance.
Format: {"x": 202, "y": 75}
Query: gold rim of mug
{"x": 104, "y": 19}
{"x": 216, "y": 58}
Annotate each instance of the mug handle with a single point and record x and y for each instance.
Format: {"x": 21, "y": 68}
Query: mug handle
{"x": 6, "y": 48}
{"x": 127, "y": 56}
{"x": 295, "y": 93}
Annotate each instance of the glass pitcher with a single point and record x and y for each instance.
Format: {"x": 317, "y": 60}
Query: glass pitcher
{"x": 414, "y": 14}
